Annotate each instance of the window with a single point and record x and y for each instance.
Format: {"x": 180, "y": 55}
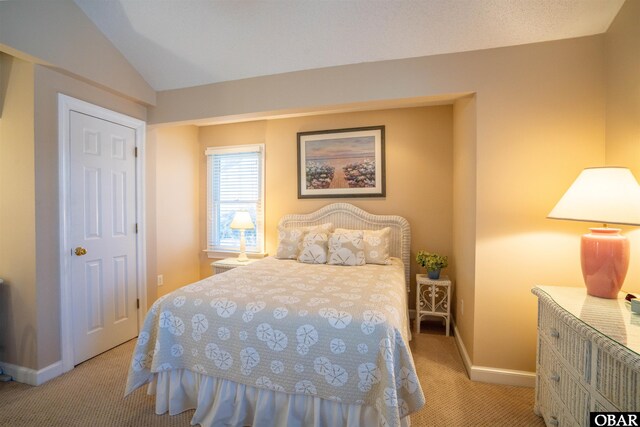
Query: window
{"x": 235, "y": 181}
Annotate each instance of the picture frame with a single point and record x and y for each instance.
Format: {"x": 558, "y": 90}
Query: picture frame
{"x": 341, "y": 163}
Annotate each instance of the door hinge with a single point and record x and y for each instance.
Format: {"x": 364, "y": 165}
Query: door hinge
{"x": 137, "y": 303}
{"x": 135, "y": 151}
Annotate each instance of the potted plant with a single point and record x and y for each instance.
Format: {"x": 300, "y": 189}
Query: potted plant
{"x": 432, "y": 262}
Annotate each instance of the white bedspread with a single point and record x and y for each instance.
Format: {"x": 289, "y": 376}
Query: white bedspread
{"x": 331, "y": 332}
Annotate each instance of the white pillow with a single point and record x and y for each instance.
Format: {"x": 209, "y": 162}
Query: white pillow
{"x": 290, "y": 239}
{"x": 346, "y": 248}
{"x": 376, "y": 245}
{"x": 314, "y": 248}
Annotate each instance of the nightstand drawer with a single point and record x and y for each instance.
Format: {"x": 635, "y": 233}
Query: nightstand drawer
{"x": 217, "y": 269}
{"x": 564, "y": 384}
{"x": 227, "y": 264}
{"x": 572, "y": 347}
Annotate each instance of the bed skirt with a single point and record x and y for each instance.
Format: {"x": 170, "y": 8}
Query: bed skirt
{"x": 223, "y": 402}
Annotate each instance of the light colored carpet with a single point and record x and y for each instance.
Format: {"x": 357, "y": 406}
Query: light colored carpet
{"x": 454, "y": 400}
{"x": 92, "y": 395}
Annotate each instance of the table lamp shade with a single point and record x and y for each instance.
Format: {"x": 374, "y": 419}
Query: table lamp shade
{"x": 242, "y": 221}
{"x": 609, "y": 195}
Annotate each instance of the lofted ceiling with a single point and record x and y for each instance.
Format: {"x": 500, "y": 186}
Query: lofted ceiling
{"x": 184, "y": 43}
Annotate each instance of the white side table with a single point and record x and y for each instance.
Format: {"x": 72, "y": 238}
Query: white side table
{"x": 433, "y": 298}
{"x": 228, "y": 264}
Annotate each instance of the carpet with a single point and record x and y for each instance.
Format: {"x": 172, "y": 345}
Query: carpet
{"x": 92, "y": 394}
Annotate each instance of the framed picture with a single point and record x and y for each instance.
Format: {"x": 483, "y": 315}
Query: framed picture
{"x": 341, "y": 163}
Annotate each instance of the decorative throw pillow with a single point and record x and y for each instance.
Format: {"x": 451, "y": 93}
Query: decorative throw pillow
{"x": 314, "y": 248}
{"x": 290, "y": 239}
{"x": 346, "y": 248}
{"x": 376, "y": 245}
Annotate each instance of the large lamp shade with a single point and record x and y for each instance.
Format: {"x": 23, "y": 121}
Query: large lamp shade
{"x": 608, "y": 195}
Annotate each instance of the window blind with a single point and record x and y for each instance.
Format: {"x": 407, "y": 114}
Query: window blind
{"x": 235, "y": 182}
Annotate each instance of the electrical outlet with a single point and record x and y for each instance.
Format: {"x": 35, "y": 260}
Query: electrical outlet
{"x": 160, "y": 280}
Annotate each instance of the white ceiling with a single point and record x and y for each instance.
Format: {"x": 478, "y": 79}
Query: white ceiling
{"x": 183, "y": 43}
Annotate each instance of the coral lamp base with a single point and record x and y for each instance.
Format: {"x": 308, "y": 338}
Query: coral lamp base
{"x": 605, "y": 260}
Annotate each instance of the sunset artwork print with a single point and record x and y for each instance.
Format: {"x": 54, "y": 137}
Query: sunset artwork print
{"x": 341, "y": 163}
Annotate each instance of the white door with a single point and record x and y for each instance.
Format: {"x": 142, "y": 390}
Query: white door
{"x": 102, "y": 234}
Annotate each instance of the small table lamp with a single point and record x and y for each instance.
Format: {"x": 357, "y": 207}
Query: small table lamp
{"x": 609, "y": 195}
{"x": 242, "y": 221}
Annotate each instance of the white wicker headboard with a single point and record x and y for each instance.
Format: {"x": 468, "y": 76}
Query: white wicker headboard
{"x": 345, "y": 215}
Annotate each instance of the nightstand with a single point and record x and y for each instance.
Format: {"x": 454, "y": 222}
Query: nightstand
{"x": 228, "y": 264}
{"x": 433, "y": 298}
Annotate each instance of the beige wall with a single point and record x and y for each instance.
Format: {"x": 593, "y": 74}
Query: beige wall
{"x": 59, "y": 34}
{"x": 464, "y": 216}
{"x": 18, "y": 315}
{"x": 623, "y": 109}
{"x": 150, "y": 225}
{"x": 418, "y": 144}
{"x": 177, "y": 231}
{"x": 48, "y": 83}
{"x": 539, "y": 120}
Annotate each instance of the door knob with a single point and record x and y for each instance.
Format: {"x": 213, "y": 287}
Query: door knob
{"x": 80, "y": 251}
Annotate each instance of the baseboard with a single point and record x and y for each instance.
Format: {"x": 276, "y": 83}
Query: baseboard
{"x": 492, "y": 375}
{"x": 31, "y": 376}
{"x": 503, "y": 376}
{"x": 466, "y": 361}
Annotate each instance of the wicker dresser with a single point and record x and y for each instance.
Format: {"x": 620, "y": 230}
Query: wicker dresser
{"x": 588, "y": 356}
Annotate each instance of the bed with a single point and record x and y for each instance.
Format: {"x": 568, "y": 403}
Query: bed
{"x": 281, "y": 342}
